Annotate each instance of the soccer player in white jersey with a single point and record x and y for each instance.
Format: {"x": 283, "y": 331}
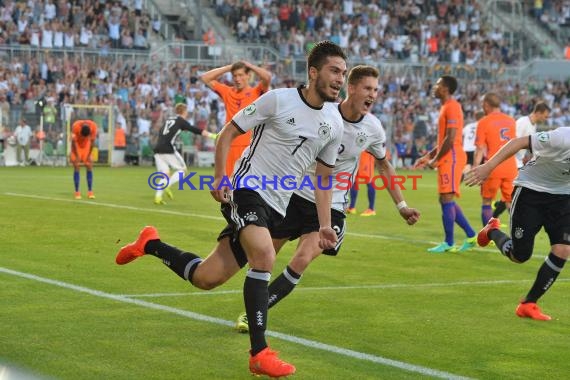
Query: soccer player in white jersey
{"x": 526, "y": 126}
{"x": 469, "y": 134}
{"x": 292, "y": 128}
{"x": 541, "y": 199}
{"x": 362, "y": 131}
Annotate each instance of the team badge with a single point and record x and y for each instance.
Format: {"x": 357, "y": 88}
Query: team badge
{"x": 251, "y": 216}
{"x": 519, "y": 233}
{"x": 324, "y": 130}
{"x": 249, "y": 110}
{"x": 361, "y": 139}
{"x": 543, "y": 136}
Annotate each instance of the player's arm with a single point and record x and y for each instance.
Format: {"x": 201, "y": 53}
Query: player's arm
{"x": 263, "y": 75}
{"x": 478, "y": 174}
{"x": 186, "y": 126}
{"x": 480, "y": 144}
{"x": 410, "y": 215}
{"x": 225, "y": 138}
{"x": 423, "y": 160}
{"x": 209, "y": 76}
{"x": 446, "y": 145}
{"x": 323, "y": 199}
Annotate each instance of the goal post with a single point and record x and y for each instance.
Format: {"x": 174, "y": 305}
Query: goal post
{"x": 102, "y": 115}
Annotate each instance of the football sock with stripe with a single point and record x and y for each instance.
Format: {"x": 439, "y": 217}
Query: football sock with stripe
{"x": 545, "y": 277}
{"x": 255, "y": 296}
{"x": 283, "y": 285}
{"x": 76, "y": 180}
{"x": 502, "y": 241}
{"x": 182, "y": 263}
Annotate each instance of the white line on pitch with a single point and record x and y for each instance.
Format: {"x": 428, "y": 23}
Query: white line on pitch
{"x": 178, "y": 213}
{"x": 204, "y": 318}
{"x": 359, "y": 287}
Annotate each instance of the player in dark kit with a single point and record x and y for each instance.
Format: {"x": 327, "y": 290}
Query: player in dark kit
{"x": 165, "y": 154}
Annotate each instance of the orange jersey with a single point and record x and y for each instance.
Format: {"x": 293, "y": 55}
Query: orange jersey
{"x": 235, "y": 101}
{"x": 80, "y": 141}
{"x": 494, "y": 131}
{"x": 451, "y": 116}
{"x": 366, "y": 166}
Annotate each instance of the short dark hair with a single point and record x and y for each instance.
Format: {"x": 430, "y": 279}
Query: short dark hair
{"x": 541, "y": 107}
{"x": 239, "y": 65}
{"x": 362, "y": 71}
{"x": 450, "y": 82}
{"x": 320, "y": 53}
{"x": 85, "y": 130}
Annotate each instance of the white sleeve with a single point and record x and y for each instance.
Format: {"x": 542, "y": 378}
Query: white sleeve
{"x": 551, "y": 143}
{"x": 259, "y": 112}
{"x": 378, "y": 146}
{"x": 522, "y": 127}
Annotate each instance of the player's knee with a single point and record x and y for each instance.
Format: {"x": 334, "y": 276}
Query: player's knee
{"x": 561, "y": 250}
{"x": 521, "y": 253}
{"x": 207, "y": 282}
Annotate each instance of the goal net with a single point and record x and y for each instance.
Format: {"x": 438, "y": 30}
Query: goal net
{"x": 102, "y": 116}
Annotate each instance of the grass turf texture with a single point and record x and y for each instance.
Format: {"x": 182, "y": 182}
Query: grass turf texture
{"x": 384, "y": 295}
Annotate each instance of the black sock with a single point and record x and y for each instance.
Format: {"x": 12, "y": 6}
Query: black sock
{"x": 182, "y": 263}
{"x": 255, "y": 296}
{"x": 545, "y": 277}
{"x": 502, "y": 241}
{"x": 500, "y": 207}
{"x": 282, "y": 285}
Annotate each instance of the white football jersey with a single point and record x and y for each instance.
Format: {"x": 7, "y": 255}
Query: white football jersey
{"x": 469, "y": 134}
{"x": 549, "y": 170}
{"x": 524, "y": 128}
{"x": 289, "y": 135}
{"x": 364, "y": 134}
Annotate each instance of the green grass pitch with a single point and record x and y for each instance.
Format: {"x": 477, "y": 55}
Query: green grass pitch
{"x": 383, "y": 309}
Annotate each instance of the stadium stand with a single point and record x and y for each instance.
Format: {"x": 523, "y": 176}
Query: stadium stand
{"x": 413, "y": 42}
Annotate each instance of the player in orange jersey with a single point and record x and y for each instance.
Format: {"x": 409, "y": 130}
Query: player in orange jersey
{"x": 449, "y": 158}
{"x": 364, "y": 175}
{"x": 83, "y": 134}
{"x": 237, "y": 97}
{"x": 493, "y": 131}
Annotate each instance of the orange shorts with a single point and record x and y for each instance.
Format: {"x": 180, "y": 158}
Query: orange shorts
{"x": 233, "y": 155}
{"x": 449, "y": 175}
{"x": 491, "y": 186}
{"x": 82, "y": 154}
{"x": 366, "y": 167}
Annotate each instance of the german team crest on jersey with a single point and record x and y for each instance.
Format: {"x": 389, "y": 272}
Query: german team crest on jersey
{"x": 361, "y": 139}
{"x": 249, "y": 110}
{"x": 324, "y": 130}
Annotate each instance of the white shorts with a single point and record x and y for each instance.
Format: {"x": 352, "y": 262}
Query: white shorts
{"x": 166, "y": 161}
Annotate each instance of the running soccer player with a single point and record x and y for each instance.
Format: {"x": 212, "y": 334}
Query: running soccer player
{"x": 83, "y": 135}
{"x": 292, "y": 128}
{"x": 166, "y": 156}
{"x": 363, "y": 132}
{"x": 541, "y": 199}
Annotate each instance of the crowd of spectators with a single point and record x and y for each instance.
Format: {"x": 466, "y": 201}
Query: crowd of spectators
{"x": 142, "y": 96}
{"x": 410, "y": 30}
{"x": 67, "y": 24}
